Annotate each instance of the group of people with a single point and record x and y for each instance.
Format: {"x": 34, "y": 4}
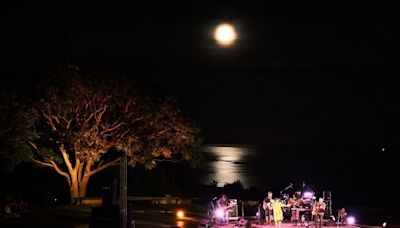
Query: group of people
{"x": 273, "y": 210}
{"x": 300, "y": 209}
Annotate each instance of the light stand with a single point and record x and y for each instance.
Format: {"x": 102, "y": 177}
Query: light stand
{"x": 123, "y": 190}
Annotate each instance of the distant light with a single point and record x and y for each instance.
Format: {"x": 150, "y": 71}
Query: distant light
{"x": 225, "y": 35}
{"x": 383, "y": 149}
{"x": 180, "y": 224}
{"x": 351, "y": 220}
{"x": 384, "y": 224}
{"x": 219, "y": 213}
{"x": 180, "y": 214}
{"x": 55, "y": 199}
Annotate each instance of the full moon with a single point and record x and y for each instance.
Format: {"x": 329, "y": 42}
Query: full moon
{"x": 225, "y": 35}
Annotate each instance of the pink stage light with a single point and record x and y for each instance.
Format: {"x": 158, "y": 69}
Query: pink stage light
{"x": 219, "y": 213}
{"x": 308, "y": 195}
{"x": 351, "y": 220}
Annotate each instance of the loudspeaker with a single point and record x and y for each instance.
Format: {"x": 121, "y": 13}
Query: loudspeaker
{"x": 328, "y": 200}
{"x": 243, "y": 223}
{"x": 327, "y": 195}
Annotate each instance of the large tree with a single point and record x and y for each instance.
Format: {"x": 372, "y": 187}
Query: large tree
{"x": 85, "y": 120}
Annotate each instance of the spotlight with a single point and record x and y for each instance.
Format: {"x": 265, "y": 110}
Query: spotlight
{"x": 308, "y": 195}
{"x": 180, "y": 214}
{"x": 351, "y": 220}
{"x": 219, "y": 213}
{"x": 384, "y": 224}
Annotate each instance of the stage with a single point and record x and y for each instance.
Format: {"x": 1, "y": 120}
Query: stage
{"x": 284, "y": 225}
{"x": 289, "y": 225}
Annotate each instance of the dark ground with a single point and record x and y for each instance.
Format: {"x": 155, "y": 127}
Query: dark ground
{"x": 79, "y": 217}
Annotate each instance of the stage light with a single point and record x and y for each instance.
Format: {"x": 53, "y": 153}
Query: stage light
{"x": 180, "y": 224}
{"x": 308, "y": 195}
{"x": 351, "y": 220}
{"x": 180, "y": 214}
{"x": 384, "y": 224}
{"x": 219, "y": 213}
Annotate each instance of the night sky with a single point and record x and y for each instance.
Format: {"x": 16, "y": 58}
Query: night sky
{"x": 299, "y": 75}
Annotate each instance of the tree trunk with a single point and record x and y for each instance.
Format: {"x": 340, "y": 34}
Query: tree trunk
{"x": 78, "y": 187}
{"x": 74, "y": 189}
{"x": 83, "y": 186}
{"x": 78, "y": 175}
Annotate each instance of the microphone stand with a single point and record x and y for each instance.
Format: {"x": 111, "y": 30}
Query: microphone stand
{"x": 290, "y": 186}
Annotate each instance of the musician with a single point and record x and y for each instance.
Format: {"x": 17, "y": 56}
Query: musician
{"x": 342, "y": 216}
{"x": 295, "y": 202}
{"x": 224, "y": 204}
{"x": 268, "y": 208}
{"x": 318, "y": 212}
{"x": 297, "y": 195}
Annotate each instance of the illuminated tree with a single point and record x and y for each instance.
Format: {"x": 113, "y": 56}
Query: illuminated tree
{"x": 85, "y": 123}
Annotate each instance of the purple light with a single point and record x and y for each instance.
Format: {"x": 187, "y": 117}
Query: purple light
{"x": 308, "y": 195}
{"x": 351, "y": 220}
{"x": 219, "y": 213}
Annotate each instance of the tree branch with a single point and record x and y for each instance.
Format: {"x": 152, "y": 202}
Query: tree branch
{"x": 66, "y": 158}
{"x": 80, "y": 168}
{"x": 101, "y": 114}
{"x": 33, "y": 145}
{"x": 41, "y": 163}
{"x": 62, "y": 173}
{"x": 112, "y": 128}
{"x": 67, "y": 121}
{"x": 154, "y": 135}
{"x": 109, "y": 164}
{"x": 90, "y": 117}
{"x": 49, "y": 121}
{"x": 53, "y": 165}
{"x": 88, "y": 166}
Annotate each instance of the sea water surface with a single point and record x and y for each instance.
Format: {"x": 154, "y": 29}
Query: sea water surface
{"x": 276, "y": 167}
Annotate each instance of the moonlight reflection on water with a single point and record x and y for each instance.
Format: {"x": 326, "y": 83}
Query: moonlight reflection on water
{"x": 227, "y": 164}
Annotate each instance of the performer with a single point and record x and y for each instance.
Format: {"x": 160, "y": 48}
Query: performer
{"x": 277, "y": 211}
{"x": 318, "y": 212}
{"x": 295, "y": 202}
{"x": 223, "y": 203}
{"x": 342, "y": 216}
{"x": 268, "y": 209}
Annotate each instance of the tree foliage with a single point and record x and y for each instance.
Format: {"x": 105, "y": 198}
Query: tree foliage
{"x": 16, "y": 122}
